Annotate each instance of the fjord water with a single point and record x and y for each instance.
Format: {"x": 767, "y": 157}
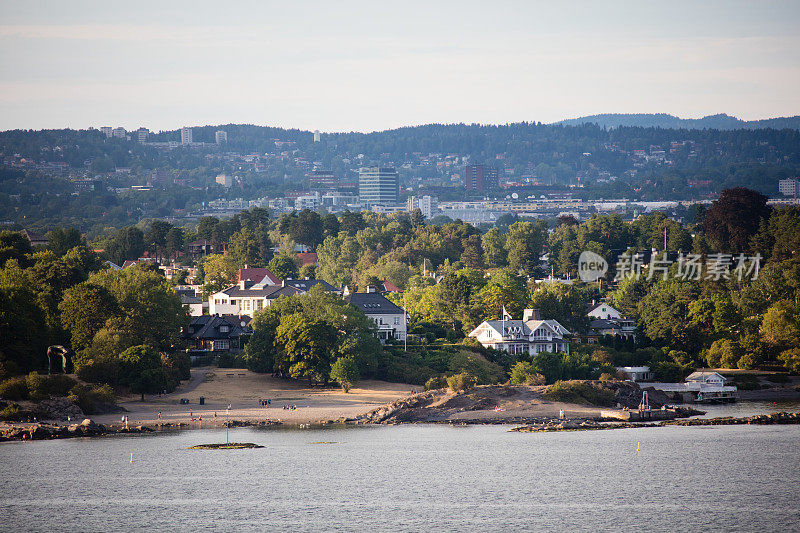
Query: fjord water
{"x": 409, "y": 478}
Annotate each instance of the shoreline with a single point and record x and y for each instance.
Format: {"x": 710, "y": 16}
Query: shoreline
{"x": 89, "y": 428}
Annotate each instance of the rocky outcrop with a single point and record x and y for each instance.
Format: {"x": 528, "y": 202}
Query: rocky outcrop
{"x": 764, "y": 420}
{"x": 57, "y": 409}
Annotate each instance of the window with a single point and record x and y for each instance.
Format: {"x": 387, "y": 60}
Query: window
{"x": 396, "y": 320}
{"x": 246, "y": 305}
{"x": 222, "y": 345}
{"x": 224, "y": 329}
{"x": 233, "y": 302}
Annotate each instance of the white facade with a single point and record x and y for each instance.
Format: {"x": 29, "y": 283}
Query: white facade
{"x": 221, "y": 137}
{"x": 316, "y": 136}
{"x": 637, "y": 373}
{"x": 107, "y": 131}
{"x": 789, "y": 187}
{"x": 119, "y": 133}
{"x": 186, "y": 135}
{"x": 309, "y": 201}
{"x": 429, "y": 205}
{"x": 529, "y": 336}
{"x": 141, "y": 135}
{"x": 605, "y": 312}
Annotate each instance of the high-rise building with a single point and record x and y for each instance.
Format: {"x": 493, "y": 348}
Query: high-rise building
{"x": 789, "y": 187}
{"x": 225, "y": 180}
{"x": 119, "y": 133}
{"x": 141, "y": 134}
{"x": 427, "y": 204}
{"x": 107, "y": 130}
{"x": 378, "y": 185}
{"x": 480, "y": 177}
{"x": 321, "y": 179}
{"x": 316, "y": 136}
{"x": 186, "y": 135}
{"x": 221, "y": 137}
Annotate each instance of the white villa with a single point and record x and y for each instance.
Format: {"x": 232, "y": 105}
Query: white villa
{"x": 390, "y": 319}
{"x": 530, "y": 335}
{"x": 247, "y": 297}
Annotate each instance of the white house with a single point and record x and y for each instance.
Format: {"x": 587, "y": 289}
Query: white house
{"x": 388, "y": 317}
{"x": 530, "y": 335}
{"x": 247, "y": 297}
{"x": 603, "y": 311}
{"x": 637, "y": 373}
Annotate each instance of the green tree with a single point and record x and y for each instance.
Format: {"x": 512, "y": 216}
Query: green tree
{"x": 14, "y": 245}
{"x": 60, "y": 240}
{"x": 305, "y": 348}
{"x": 244, "y": 250}
{"x": 218, "y": 272}
{"x": 734, "y": 218}
{"x": 345, "y": 372}
{"x": 84, "y": 311}
{"x": 524, "y": 242}
{"x": 521, "y": 372}
{"x": 494, "y": 249}
{"x": 283, "y": 266}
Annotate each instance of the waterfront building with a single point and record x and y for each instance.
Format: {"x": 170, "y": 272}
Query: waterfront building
{"x": 636, "y": 373}
{"x": 531, "y": 335}
{"x": 699, "y": 387}
{"x": 378, "y": 185}
{"x": 389, "y": 318}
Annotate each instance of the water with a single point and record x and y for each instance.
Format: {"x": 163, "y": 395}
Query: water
{"x": 409, "y": 478}
{"x": 747, "y": 408}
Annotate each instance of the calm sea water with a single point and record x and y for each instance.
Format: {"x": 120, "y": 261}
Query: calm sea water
{"x": 409, "y": 478}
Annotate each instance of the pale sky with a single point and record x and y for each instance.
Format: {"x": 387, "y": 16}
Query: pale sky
{"x": 372, "y": 65}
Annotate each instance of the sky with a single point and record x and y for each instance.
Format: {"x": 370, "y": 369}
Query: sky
{"x": 370, "y": 65}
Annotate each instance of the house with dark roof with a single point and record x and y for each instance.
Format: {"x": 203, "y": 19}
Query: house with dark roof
{"x": 35, "y": 238}
{"x": 390, "y": 319}
{"x": 208, "y": 334}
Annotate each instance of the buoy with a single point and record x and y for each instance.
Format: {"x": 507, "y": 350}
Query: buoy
{"x": 131, "y": 456}
{"x": 637, "y": 449}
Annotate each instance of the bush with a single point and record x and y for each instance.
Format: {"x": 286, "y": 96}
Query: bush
{"x": 345, "y": 372}
{"x": 229, "y": 360}
{"x": 178, "y": 365}
{"x": 580, "y": 392}
{"x": 461, "y": 382}
{"x": 520, "y": 372}
{"x": 90, "y": 399}
{"x": 98, "y": 371}
{"x": 14, "y": 389}
{"x": 778, "y": 378}
{"x": 436, "y": 382}
{"x": 606, "y": 376}
{"x": 10, "y": 413}
{"x": 41, "y": 387}
{"x": 484, "y": 372}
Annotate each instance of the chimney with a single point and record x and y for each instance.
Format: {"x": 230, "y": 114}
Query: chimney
{"x": 530, "y": 314}
{"x": 371, "y": 288}
{"x": 241, "y": 284}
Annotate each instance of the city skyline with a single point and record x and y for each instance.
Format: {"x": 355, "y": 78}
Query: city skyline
{"x": 355, "y": 66}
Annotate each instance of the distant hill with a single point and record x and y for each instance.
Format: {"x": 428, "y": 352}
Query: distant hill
{"x": 663, "y": 120}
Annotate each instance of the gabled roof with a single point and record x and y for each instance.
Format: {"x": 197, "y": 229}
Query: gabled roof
{"x": 261, "y": 276}
{"x": 602, "y": 323}
{"x": 207, "y": 327}
{"x": 307, "y": 258}
{"x": 251, "y": 290}
{"x": 304, "y": 285}
{"x": 388, "y": 286}
{"x": 373, "y": 303}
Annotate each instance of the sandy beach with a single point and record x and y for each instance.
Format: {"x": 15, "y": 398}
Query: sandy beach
{"x": 243, "y": 390}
